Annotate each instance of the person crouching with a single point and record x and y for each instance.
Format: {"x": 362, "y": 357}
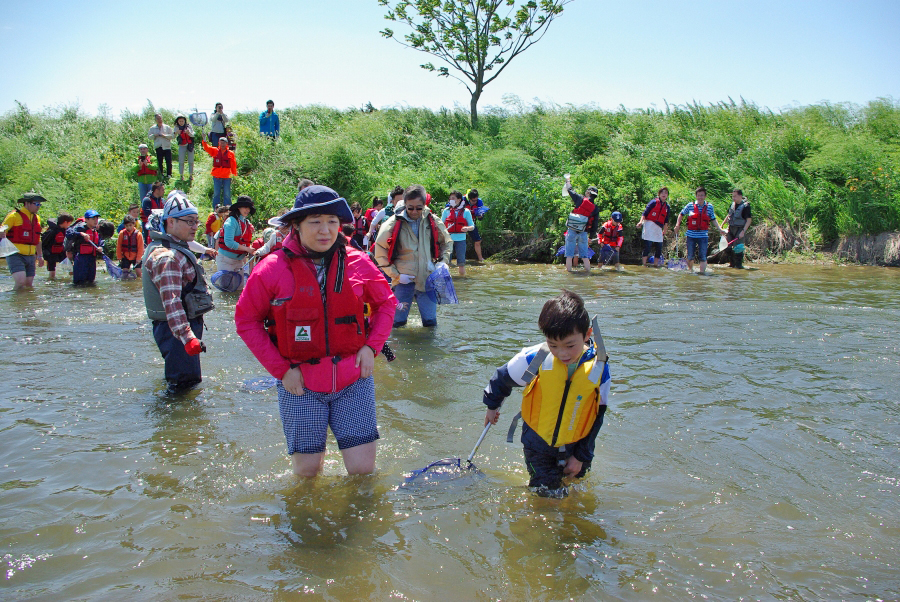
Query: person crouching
{"x": 302, "y": 315}
{"x": 175, "y": 292}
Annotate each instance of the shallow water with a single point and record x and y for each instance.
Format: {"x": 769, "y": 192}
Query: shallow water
{"x": 750, "y": 451}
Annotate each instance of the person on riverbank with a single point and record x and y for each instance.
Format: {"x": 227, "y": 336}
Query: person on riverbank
{"x": 611, "y": 236}
{"x": 218, "y": 122}
{"x": 144, "y": 173}
{"x": 224, "y": 168}
{"x": 53, "y": 241}
{"x": 234, "y": 243}
{"x": 566, "y": 392}
{"x": 655, "y": 222}
{"x": 23, "y": 229}
{"x": 312, "y": 293}
{"x": 581, "y": 223}
{"x": 700, "y": 215}
{"x": 476, "y": 207}
{"x": 176, "y": 295}
{"x": 214, "y": 222}
{"x": 738, "y": 220}
{"x": 184, "y": 133}
{"x": 154, "y": 200}
{"x": 458, "y": 220}
{"x": 268, "y": 121}
{"x": 162, "y": 136}
{"x": 87, "y": 245}
{"x": 408, "y": 246}
{"x": 130, "y": 246}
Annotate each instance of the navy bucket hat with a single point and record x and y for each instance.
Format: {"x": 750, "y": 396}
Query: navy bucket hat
{"x": 319, "y": 200}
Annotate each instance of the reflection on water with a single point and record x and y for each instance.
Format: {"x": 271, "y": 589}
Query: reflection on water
{"x": 750, "y": 451}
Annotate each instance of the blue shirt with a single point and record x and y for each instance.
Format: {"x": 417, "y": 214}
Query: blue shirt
{"x": 268, "y": 124}
{"x": 709, "y": 211}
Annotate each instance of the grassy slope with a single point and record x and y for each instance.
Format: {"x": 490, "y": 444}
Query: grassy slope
{"x": 812, "y": 173}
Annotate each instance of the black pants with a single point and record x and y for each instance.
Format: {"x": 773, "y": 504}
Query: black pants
{"x": 182, "y": 370}
{"x": 737, "y": 259}
{"x": 164, "y": 153}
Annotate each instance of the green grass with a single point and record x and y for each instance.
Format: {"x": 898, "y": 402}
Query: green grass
{"x": 820, "y": 171}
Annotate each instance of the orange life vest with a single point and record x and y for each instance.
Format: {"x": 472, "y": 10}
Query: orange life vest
{"x": 130, "y": 241}
{"x": 610, "y": 233}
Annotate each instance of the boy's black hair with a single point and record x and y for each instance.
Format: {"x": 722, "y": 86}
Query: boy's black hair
{"x": 397, "y": 190}
{"x": 133, "y": 206}
{"x": 355, "y": 207}
{"x": 700, "y": 189}
{"x": 106, "y": 228}
{"x": 473, "y": 194}
{"x": 347, "y": 230}
{"x": 564, "y": 315}
{"x": 64, "y": 217}
{"x": 129, "y": 219}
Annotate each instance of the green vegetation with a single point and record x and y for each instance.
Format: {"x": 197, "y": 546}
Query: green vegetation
{"x": 812, "y": 173}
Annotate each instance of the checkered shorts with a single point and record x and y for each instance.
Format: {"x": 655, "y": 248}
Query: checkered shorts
{"x": 350, "y": 413}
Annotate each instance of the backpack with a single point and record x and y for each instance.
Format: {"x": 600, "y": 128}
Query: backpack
{"x": 47, "y": 237}
{"x": 388, "y": 211}
{"x": 73, "y": 237}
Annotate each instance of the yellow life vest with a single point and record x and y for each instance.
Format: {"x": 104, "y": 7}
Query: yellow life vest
{"x": 559, "y": 410}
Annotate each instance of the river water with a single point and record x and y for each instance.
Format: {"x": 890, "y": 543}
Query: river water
{"x": 750, "y": 451}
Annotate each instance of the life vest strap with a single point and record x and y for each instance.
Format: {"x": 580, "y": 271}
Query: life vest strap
{"x": 596, "y": 372}
{"x": 535, "y": 364}
{"x": 512, "y": 427}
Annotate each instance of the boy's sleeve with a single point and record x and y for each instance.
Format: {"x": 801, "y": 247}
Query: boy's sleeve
{"x": 119, "y": 245}
{"x": 509, "y": 375}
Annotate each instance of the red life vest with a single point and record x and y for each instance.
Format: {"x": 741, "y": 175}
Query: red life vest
{"x": 610, "y": 233}
{"x": 435, "y": 245}
{"x": 361, "y": 226}
{"x": 586, "y": 208}
{"x": 306, "y": 329}
{"x": 698, "y": 219}
{"x": 222, "y": 159}
{"x": 244, "y": 238}
{"x": 658, "y": 212}
{"x": 130, "y": 241}
{"x": 56, "y": 247}
{"x": 26, "y": 233}
{"x": 144, "y": 169}
{"x": 183, "y": 137}
{"x": 456, "y": 221}
{"x": 85, "y": 248}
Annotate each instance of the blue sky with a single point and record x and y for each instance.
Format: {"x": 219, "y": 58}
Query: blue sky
{"x": 639, "y": 54}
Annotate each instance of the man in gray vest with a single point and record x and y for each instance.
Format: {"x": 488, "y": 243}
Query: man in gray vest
{"x": 175, "y": 292}
{"x": 738, "y": 220}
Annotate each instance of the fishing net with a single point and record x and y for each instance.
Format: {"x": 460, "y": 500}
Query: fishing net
{"x": 439, "y": 286}
{"x": 7, "y": 248}
{"x": 112, "y": 269}
{"x": 260, "y": 383}
{"x": 199, "y": 119}
{"x": 606, "y": 253}
{"x": 227, "y": 281}
{"x": 677, "y": 264}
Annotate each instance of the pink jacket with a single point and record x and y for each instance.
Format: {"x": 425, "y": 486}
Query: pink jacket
{"x": 272, "y": 279}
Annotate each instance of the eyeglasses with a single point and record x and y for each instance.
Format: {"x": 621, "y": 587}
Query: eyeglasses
{"x": 37, "y": 203}
{"x": 419, "y": 208}
{"x": 193, "y": 223}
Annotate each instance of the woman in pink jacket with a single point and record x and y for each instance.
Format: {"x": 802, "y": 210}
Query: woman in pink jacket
{"x": 302, "y": 316}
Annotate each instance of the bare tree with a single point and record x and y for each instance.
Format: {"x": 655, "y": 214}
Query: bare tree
{"x": 476, "y": 38}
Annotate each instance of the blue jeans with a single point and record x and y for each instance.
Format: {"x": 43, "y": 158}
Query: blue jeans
{"x": 700, "y": 244}
{"x": 576, "y": 239}
{"x": 144, "y": 190}
{"x": 221, "y": 188}
{"x": 405, "y": 294}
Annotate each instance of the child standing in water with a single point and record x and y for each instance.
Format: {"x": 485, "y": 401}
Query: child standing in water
{"x": 566, "y": 391}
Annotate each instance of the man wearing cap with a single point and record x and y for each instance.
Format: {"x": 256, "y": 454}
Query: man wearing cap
{"x": 408, "y": 246}
{"x": 268, "y": 121}
{"x": 175, "y": 292}
{"x": 23, "y": 228}
{"x": 87, "y": 248}
{"x": 224, "y": 168}
{"x": 144, "y": 174}
{"x": 581, "y": 224}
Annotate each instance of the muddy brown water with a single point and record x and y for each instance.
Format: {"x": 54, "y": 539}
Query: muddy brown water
{"x": 750, "y": 451}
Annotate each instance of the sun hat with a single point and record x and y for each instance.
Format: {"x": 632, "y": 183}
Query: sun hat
{"x": 319, "y": 200}
{"x": 242, "y": 201}
{"x": 32, "y": 197}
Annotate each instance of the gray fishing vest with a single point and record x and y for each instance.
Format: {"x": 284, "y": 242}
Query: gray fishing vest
{"x": 737, "y": 215}
{"x": 195, "y": 296}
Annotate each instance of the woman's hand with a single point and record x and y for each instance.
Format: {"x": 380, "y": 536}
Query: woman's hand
{"x": 365, "y": 361}
{"x": 293, "y": 381}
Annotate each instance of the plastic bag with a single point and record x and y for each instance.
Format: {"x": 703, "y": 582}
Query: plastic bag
{"x": 562, "y": 251}
{"x": 439, "y": 286}
{"x": 229, "y": 282}
{"x": 7, "y": 248}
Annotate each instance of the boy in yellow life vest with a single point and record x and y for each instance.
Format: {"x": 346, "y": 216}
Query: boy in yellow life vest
{"x": 566, "y": 382}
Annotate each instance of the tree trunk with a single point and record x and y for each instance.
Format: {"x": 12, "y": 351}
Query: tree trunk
{"x": 473, "y": 107}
